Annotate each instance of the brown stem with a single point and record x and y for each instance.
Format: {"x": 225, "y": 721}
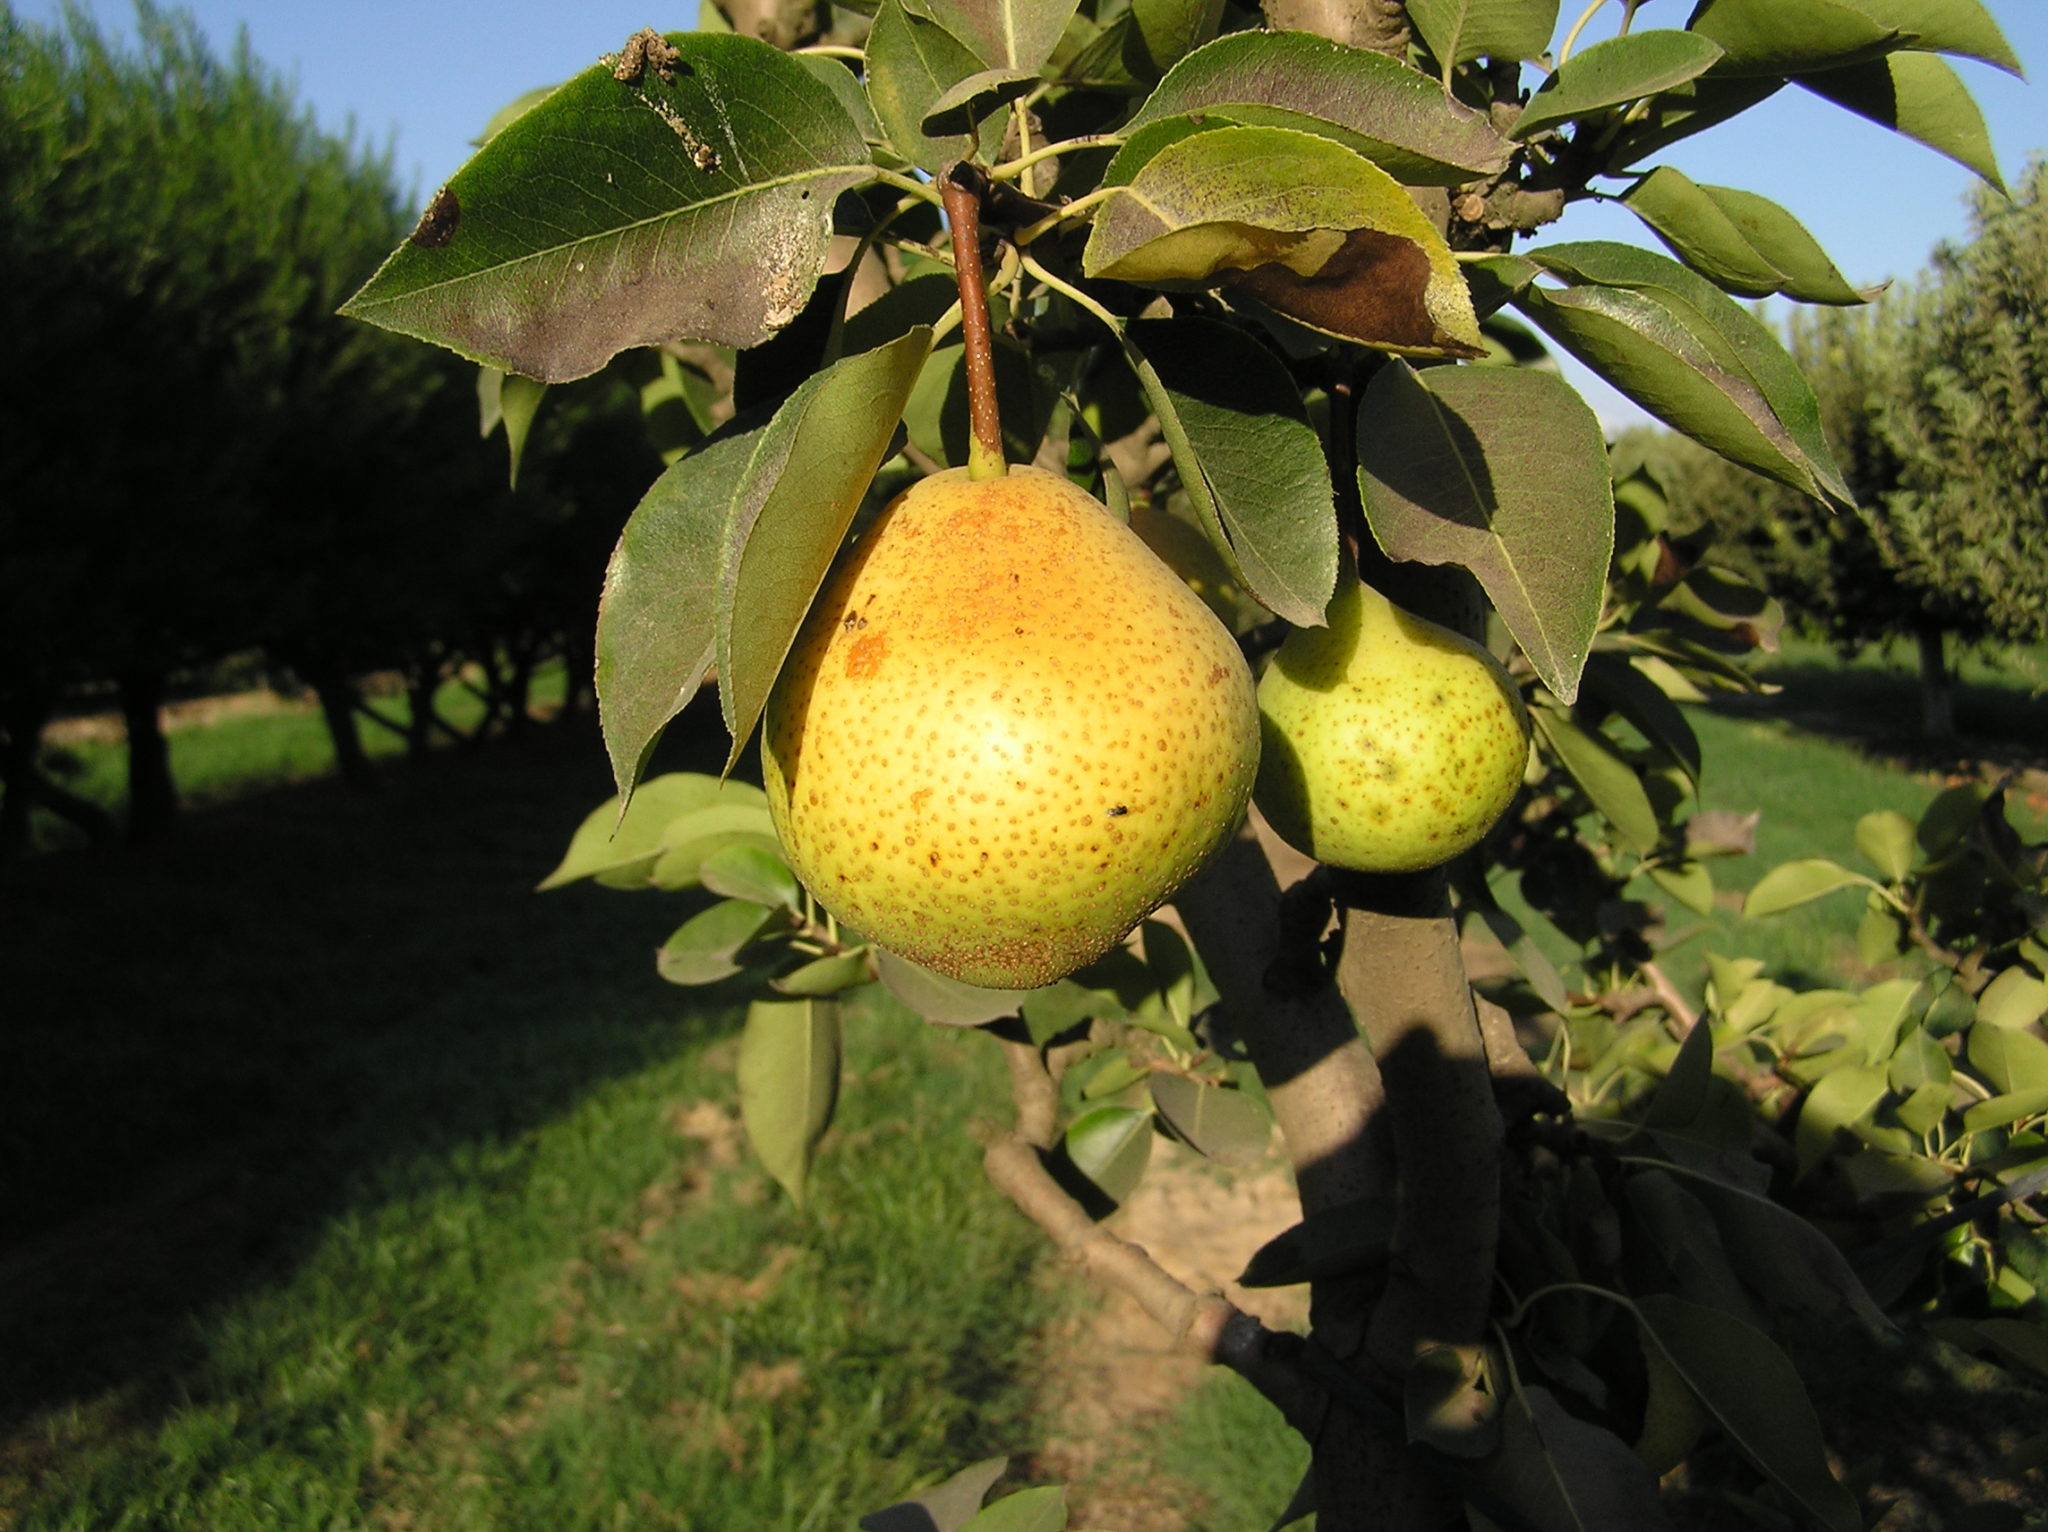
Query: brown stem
{"x": 961, "y": 195}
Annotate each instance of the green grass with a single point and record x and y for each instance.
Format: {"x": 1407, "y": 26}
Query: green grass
{"x": 342, "y": 1186}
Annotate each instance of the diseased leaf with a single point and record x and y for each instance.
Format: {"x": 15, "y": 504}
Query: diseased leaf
{"x": 1222, "y": 1124}
{"x": 1399, "y": 119}
{"x": 791, "y": 510}
{"x": 1920, "y": 96}
{"x": 1458, "y": 31}
{"x": 942, "y": 1508}
{"x": 1250, "y": 461}
{"x": 789, "y": 1084}
{"x": 657, "y": 621}
{"x": 1614, "y": 72}
{"x": 1771, "y": 37}
{"x": 1306, "y": 226}
{"x": 689, "y": 202}
{"x": 1795, "y": 883}
{"x": 1688, "y": 353}
{"x": 1609, "y": 781}
{"x": 1754, "y": 1391}
{"x": 1504, "y": 471}
{"x": 912, "y": 62}
{"x": 936, "y": 998}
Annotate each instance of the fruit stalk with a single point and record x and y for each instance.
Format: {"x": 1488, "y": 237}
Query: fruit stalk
{"x": 960, "y": 191}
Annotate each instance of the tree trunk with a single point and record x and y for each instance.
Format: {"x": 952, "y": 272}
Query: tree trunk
{"x": 338, "y": 702}
{"x": 152, "y": 791}
{"x": 1937, "y": 692}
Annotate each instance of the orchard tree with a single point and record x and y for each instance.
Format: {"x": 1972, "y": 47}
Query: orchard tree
{"x": 1258, "y": 292}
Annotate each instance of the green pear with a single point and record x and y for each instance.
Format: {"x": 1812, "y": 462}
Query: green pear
{"x": 1006, "y": 731}
{"x": 1391, "y": 744}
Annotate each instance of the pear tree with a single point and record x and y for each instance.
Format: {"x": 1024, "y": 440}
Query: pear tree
{"x": 926, "y": 299}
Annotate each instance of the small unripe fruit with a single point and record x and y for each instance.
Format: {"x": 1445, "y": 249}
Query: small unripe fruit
{"x": 1006, "y": 732}
{"x": 1391, "y": 744}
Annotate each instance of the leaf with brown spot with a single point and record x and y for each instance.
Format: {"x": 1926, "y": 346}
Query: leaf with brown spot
{"x": 1303, "y": 224}
{"x": 697, "y": 207}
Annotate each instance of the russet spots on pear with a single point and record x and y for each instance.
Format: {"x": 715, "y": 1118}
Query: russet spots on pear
{"x": 1391, "y": 744}
{"x": 1006, "y": 732}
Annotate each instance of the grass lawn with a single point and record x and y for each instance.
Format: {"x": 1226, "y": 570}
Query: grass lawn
{"x": 345, "y": 1182}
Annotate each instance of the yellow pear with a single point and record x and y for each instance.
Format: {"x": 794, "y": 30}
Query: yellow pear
{"x": 1006, "y": 732}
{"x": 1391, "y": 744}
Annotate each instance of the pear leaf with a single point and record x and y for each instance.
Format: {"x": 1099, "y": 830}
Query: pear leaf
{"x": 1617, "y": 71}
{"x": 912, "y": 64}
{"x": 789, "y": 1084}
{"x": 1920, "y": 96}
{"x": 1396, "y": 117}
{"x": 1502, "y": 470}
{"x": 1004, "y": 34}
{"x": 1458, "y": 31}
{"x": 618, "y": 842}
{"x": 1770, "y": 37}
{"x": 1248, "y": 458}
{"x": 790, "y": 511}
{"x": 944, "y": 1507}
{"x": 1299, "y": 222}
{"x": 689, "y": 201}
{"x": 1699, "y": 231}
{"x": 1608, "y": 780}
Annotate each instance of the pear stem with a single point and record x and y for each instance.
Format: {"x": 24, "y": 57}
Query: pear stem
{"x": 960, "y": 189}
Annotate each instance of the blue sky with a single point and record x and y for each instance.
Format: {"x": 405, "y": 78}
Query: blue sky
{"x": 424, "y": 76}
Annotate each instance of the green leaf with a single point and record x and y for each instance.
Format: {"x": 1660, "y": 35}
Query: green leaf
{"x": 1611, "y": 73}
{"x": 946, "y": 1002}
{"x": 963, "y": 107}
{"x": 750, "y": 872}
{"x": 2019, "y": 1341}
{"x": 619, "y": 213}
{"x": 1688, "y": 353}
{"x": 789, "y": 1084}
{"x": 507, "y": 399}
{"x": 1784, "y": 1257}
{"x": 657, "y": 620}
{"x": 1219, "y": 1123}
{"x": 1181, "y": 983}
{"x": 1781, "y": 239}
{"x": 1004, "y": 34}
{"x": 1676, "y": 114}
{"x": 1111, "y": 1146}
{"x": 1504, "y": 471}
{"x": 942, "y": 1508}
{"x": 1168, "y": 30}
{"x": 1843, "y": 1099}
{"x": 1528, "y": 956}
{"x": 1565, "y": 1474}
{"x": 1029, "y": 1510}
{"x": 1609, "y": 781}
{"x": 791, "y": 511}
{"x": 1777, "y": 37}
{"x": 2014, "y": 999}
{"x": 2001, "y": 1111}
{"x": 1400, "y": 120}
{"x": 706, "y": 947}
{"x": 1250, "y": 461}
{"x": 1946, "y": 26}
{"x": 1699, "y": 232}
{"x": 1921, "y": 97}
{"x": 1796, "y": 883}
{"x": 692, "y": 838}
{"x": 1682, "y": 1096}
{"x": 2015, "y": 1062}
{"x": 1750, "y": 1387}
{"x": 1339, "y": 1241}
{"x": 619, "y": 848}
{"x": 936, "y": 414}
{"x": 1458, "y": 31}
{"x": 1643, "y": 702}
{"x": 1885, "y": 837}
{"x": 912, "y": 62}
{"x": 828, "y": 975}
{"x": 1299, "y": 222}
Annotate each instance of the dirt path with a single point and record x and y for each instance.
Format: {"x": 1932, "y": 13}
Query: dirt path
{"x": 1107, "y": 1370}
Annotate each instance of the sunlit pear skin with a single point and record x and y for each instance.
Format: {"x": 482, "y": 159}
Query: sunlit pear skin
{"x": 1006, "y": 732}
{"x": 1391, "y": 744}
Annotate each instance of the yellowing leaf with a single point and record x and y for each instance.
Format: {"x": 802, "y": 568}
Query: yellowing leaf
{"x": 1298, "y": 222}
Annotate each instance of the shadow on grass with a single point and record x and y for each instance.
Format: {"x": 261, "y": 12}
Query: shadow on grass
{"x": 216, "y": 1045}
{"x": 1878, "y": 709}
